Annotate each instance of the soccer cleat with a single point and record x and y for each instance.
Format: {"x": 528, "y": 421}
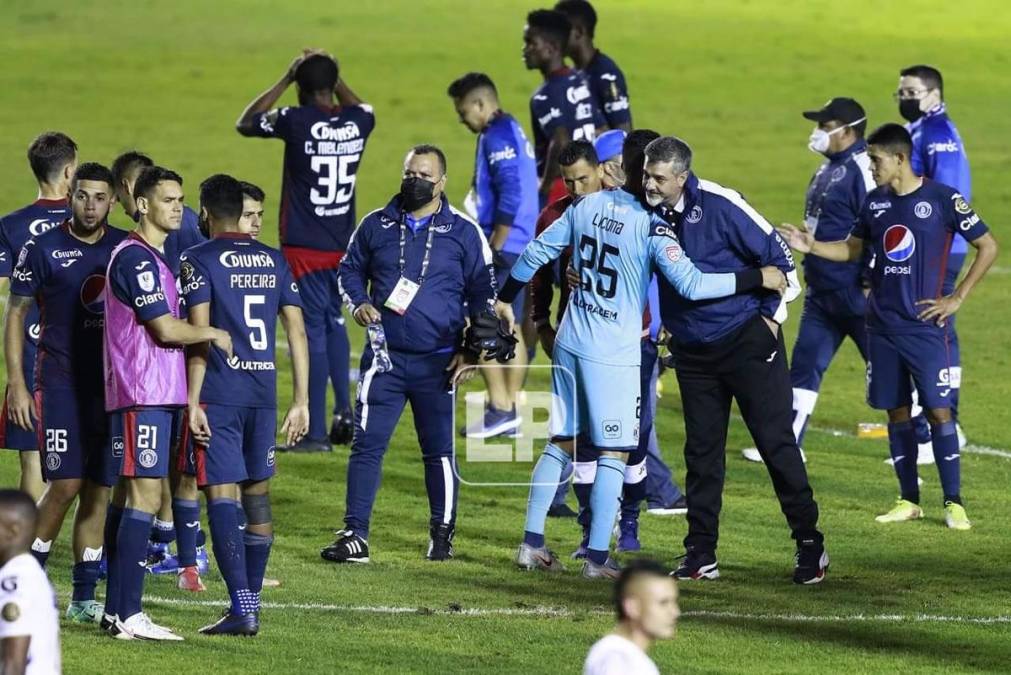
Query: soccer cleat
{"x": 676, "y": 508}
{"x": 628, "y": 536}
{"x": 342, "y": 429}
{"x": 810, "y": 563}
{"x": 167, "y": 565}
{"x": 752, "y": 455}
{"x": 203, "y": 560}
{"x": 348, "y": 547}
{"x": 307, "y": 445}
{"x": 246, "y": 625}
{"x": 140, "y": 627}
{"x": 609, "y": 570}
{"x": 584, "y": 545}
{"x": 562, "y": 510}
{"x": 530, "y": 558}
{"x": 156, "y": 552}
{"x": 271, "y": 583}
{"x": 925, "y": 453}
{"x": 955, "y": 516}
{"x": 108, "y": 622}
{"x": 440, "y": 544}
{"x": 697, "y": 565}
{"x": 902, "y": 511}
{"x": 85, "y": 611}
{"x": 493, "y": 423}
{"x": 188, "y": 579}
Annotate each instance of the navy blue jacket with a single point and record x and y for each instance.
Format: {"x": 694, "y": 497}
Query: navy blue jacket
{"x": 721, "y": 232}
{"x": 834, "y": 197}
{"x": 460, "y": 275}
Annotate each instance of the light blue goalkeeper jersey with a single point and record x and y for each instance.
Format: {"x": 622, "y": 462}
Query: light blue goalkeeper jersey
{"x": 617, "y": 245}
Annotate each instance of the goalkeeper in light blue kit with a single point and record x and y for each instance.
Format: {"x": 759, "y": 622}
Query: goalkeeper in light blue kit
{"x": 617, "y": 245}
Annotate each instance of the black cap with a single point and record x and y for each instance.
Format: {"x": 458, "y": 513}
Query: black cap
{"x": 843, "y": 110}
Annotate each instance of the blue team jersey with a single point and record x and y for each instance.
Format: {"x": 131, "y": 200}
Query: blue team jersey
{"x": 322, "y": 152}
{"x": 66, "y": 277}
{"x": 939, "y": 154}
{"x": 911, "y": 237}
{"x": 617, "y": 244}
{"x": 563, "y": 100}
{"x": 607, "y": 83}
{"x": 505, "y": 182}
{"x": 246, "y": 282}
{"x": 187, "y": 236}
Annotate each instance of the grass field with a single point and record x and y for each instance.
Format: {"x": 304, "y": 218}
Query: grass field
{"x": 730, "y": 78}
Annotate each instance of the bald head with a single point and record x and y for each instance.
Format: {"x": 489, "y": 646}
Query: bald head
{"x": 18, "y": 517}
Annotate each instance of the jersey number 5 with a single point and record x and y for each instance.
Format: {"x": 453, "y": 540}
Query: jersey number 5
{"x": 588, "y": 260}
{"x": 335, "y": 179}
{"x": 258, "y": 327}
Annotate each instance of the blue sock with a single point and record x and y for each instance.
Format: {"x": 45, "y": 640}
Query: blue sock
{"x": 85, "y": 578}
{"x": 604, "y": 500}
{"x": 230, "y": 553}
{"x": 563, "y": 485}
{"x": 319, "y": 373}
{"x": 257, "y": 553}
{"x": 134, "y": 531}
{"x": 946, "y": 456}
{"x": 543, "y": 484}
{"x": 201, "y": 540}
{"x": 632, "y": 495}
{"x": 338, "y": 353}
{"x": 187, "y": 516}
{"x": 921, "y": 428}
{"x": 163, "y": 532}
{"x": 582, "y": 491}
{"x": 902, "y": 445}
{"x": 113, "y": 517}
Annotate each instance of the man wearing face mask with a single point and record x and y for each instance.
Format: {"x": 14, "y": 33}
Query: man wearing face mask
{"x": 415, "y": 271}
{"x": 835, "y": 304}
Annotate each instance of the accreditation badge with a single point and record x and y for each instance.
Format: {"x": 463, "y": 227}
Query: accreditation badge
{"x": 402, "y": 296}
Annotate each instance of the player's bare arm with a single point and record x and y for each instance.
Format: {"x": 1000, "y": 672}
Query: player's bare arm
{"x": 267, "y": 100}
{"x": 19, "y": 399}
{"x": 14, "y": 654}
{"x": 848, "y": 250}
{"x": 170, "y": 330}
{"x": 296, "y": 421}
{"x": 939, "y": 309}
{"x": 196, "y": 368}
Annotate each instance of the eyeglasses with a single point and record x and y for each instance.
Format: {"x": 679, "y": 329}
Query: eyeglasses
{"x": 908, "y": 93}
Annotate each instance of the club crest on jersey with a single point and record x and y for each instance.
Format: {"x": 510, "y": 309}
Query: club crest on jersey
{"x": 146, "y": 281}
{"x": 53, "y": 461}
{"x": 270, "y": 455}
{"x": 900, "y": 244}
{"x": 838, "y": 174}
{"x": 923, "y": 210}
{"x": 961, "y": 206}
{"x": 695, "y": 215}
{"x": 444, "y": 228}
{"x": 147, "y": 458}
{"x": 93, "y": 294}
{"x": 673, "y": 252}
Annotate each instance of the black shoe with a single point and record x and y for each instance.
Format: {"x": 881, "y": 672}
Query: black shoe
{"x": 342, "y": 429}
{"x": 348, "y": 547}
{"x": 561, "y": 511}
{"x": 232, "y": 624}
{"x": 697, "y": 565}
{"x": 440, "y": 544}
{"x": 305, "y": 445}
{"x": 810, "y": 563}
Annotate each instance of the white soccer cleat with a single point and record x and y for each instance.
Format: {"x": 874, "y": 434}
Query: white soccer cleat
{"x": 140, "y": 627}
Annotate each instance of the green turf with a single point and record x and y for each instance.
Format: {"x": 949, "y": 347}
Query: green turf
{"x": 730, "y": 78}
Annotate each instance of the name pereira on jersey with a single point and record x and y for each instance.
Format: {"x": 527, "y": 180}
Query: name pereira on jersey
{"x": 343, "y": 140}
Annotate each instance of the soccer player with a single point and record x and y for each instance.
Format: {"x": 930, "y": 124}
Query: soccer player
{"x": 505, "y": 192}
{"x": 252, "y": 209}
{"x": 646, "y": 602}
{"x": 240, "y": 285}
{"x": 909, "y": 222}
{"x": 323, "y": 148}
{"x": 616, "y": 243}
{"x": 605, "y": 78}
{"x": 29, "y": 623}
{"x": 53, "y": 159}
{"x": 63, "y": 270}
{"x": 145, "y": 391}
{"x": 562, "y": 109}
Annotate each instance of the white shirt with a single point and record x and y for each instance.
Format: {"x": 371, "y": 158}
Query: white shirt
{"x": 615, "y": 655}
{"x": 28, "y": 607}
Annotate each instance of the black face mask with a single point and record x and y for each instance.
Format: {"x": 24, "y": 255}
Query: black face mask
{"x": 415, "y": 192}
{"x": 909, "y": 108}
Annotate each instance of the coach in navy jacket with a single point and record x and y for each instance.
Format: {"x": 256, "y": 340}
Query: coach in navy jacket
{"x": 726, "y": 349}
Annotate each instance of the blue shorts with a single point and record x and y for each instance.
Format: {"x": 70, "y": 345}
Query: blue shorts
{"x": 74, "y": 437}
{"x": 503, "y": 264}
{"x": 595, "y": 400}
{"x": 145, "y": 437}
{"x": 14, "y": 437}
{"x": 241, "y": 449}
{"x": 896, "y": 363}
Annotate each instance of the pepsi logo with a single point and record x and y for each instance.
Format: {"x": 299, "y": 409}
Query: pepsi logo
{"x": 900, "y": 244}
{"x": 93, "y": 294}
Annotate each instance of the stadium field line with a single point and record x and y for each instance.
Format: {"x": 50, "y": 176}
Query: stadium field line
{"x": 563, "y": 612}
{"x": 971, "y": 448}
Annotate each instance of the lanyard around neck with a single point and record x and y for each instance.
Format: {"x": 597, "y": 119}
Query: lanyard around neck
{"x": 428, "y": 247}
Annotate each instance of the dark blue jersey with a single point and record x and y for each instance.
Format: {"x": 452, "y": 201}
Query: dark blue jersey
{"x": 134, "y": 278}
{"x": 911, "y": 237}
{"x": 322, "y": 151}
{"x": 607, "y": 83}
{"x": 563, "y": 100}
{"x": 246, "y": 283}
{"x": 66, "y": 276}
{"x": 187, "y": 236}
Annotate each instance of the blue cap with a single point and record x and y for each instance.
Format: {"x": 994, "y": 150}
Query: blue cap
{"x": 609, "y": 144}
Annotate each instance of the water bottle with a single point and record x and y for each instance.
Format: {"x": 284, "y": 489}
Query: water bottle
{"x": 377, "y": 339}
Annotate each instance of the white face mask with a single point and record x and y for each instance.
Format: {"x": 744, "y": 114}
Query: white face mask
{"x": 820, "y": 139}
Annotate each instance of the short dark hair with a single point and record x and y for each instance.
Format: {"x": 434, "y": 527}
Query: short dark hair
{"x": 629, "y": 573}
{"x": 252, "y": 191}
{"x": 319, "y": 72}
{"x": 892, "y": 137}
{"x": 428, "y": 149}
{"x": 633, "y": 156}
{"x": 577, "y": 150}
{"x": 129, "y": 161}
{"x": 23, "y": 506}
{"x": 221, "y": 195}
{"x": 93, "y": 171}
{"x": 462, "y": 86}
{"x": 552, "y": 24}
{"x": 581, "y": 12}
{"x": 149, "y": 178}
{"x": 931, "y": 76}
{"x": 49, "y": 153}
